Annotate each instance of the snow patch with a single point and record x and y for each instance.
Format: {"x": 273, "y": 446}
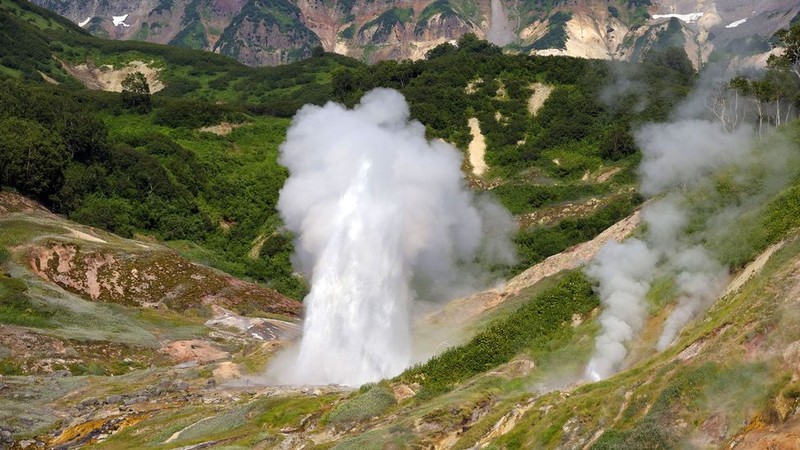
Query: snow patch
{"x": 83, "y": 24}
{"x": 120, "y": 20}
{"x": 688, "y": 18}
{"x": 735, "y": 24}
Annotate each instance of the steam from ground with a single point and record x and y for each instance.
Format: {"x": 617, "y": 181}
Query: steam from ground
{"x": 679, "y": 158}
{"x": 379, "y": 211}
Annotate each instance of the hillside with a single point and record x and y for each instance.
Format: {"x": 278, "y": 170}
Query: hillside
{"x": 150, "y": 275}
{"x": 213, "y": 195}
{"x": 728, "y": 381}
{"x": 270, "y": 33}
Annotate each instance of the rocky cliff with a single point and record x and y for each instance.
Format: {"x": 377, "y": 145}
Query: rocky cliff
{"x": 259, "y": 32}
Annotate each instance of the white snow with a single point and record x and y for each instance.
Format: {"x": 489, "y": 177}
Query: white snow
{"x": 83, "y": 24}
{"x": 120, "y": 20}
{"x": 688, "y": 18}
{"x": 735, "y": 24}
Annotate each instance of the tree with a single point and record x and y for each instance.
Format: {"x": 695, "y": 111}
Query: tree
{"x": 790, "y": 58}
{"x": 32, "y": 158}
{"x": 317, "y": 52}
{"x": 136, "y": 92}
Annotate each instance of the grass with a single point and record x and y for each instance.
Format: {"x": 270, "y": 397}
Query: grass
{"x": 544, "y": 319}
{"x": 374, "y": 401}
{"x": 17, "y": 308}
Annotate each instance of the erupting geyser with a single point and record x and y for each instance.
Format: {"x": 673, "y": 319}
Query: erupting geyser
{"x": 376, "y": 207}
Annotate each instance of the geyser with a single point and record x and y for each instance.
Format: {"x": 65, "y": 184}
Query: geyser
{"x": 377, "y": 209}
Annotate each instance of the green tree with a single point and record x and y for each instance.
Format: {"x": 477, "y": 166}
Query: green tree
{"x": 136, "y": 92}
{"x": 790, "y": 58}
{"x": 32, "y": 158}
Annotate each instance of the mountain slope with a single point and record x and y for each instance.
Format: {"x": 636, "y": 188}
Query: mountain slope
{"x": 269, "y": 33}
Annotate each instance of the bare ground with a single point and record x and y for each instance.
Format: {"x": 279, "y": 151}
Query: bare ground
{"x": 477, "y": 148}
{"x": 107, "y": 78}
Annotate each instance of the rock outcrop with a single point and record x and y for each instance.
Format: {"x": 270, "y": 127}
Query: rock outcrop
{"x": 260, "y": 32}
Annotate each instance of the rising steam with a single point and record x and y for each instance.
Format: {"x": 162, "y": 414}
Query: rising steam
{"x": 678, "y": 157}
{"x": 378, "y": 210}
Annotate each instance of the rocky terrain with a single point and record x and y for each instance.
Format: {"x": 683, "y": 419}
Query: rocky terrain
{"x": 257, "y": 32}
{"x": 184, "y": 375}
{"x": 81, "y": 302}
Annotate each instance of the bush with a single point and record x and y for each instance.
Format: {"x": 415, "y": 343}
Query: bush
{"x": 32, "y": 158}
{"x": 190, "y": 113}
{"x": 114, "y": 214}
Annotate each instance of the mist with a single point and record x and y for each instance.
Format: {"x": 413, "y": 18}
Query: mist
{"x": 684, "y": 213}
{"x": 383, "y": 219}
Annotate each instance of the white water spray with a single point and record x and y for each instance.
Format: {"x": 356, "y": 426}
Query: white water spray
{"x": 376, "y": 207}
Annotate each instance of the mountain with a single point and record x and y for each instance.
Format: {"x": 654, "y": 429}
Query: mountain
{"x": 258, "y": 32}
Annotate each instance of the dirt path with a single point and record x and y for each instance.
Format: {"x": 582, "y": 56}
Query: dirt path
{"x": 752, "y": 269}
{"x": 477, "y": 148}
{"x": 541, "y": 92}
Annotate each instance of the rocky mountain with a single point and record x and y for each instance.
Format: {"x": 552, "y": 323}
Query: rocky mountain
{"x": 260, "y": 32}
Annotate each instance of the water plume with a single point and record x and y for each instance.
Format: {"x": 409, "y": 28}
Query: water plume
{"x": 378, "y": 210}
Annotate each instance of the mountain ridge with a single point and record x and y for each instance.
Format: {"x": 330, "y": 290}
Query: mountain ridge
{"x": 261, "y": 33}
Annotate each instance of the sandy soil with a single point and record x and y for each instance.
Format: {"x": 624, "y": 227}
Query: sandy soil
{"x": 541, "y": 92}
{"x": 477, "y": 148}
{"x": 751, "y": 269}
{"x": 85, "y": 236}
{"x": 106, "y": 78}
{"x": 222, "y": 129}
{"x": 193, "y": 350}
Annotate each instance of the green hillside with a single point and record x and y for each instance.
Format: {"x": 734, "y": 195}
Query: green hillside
{"x": 153, "y": 172}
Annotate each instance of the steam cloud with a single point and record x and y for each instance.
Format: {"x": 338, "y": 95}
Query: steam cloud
{"x": 378, "y": 210}
{"x": 678, "y": 156}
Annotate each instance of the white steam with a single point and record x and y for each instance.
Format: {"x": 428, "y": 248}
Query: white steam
{"x": 677, "y": 157}
{"x": 378, "y": 210}
{"x": 625, "y": 271}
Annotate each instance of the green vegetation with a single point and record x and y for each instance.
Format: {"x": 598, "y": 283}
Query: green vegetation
{"x": 280, "y": 14}
{"x": 385, "y": 23}
{"x": 556, "y": 36}
{"x": 139, "y": 165}
{"x": 136, "y": 93}
{"x": 537, "y": 243}
{"x": 540, "y": 322}
{"x": 17, "y": 308}
{"x": 373, "y": 400}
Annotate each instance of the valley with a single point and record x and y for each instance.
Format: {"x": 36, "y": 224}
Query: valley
{"x": 166, "y": 213}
